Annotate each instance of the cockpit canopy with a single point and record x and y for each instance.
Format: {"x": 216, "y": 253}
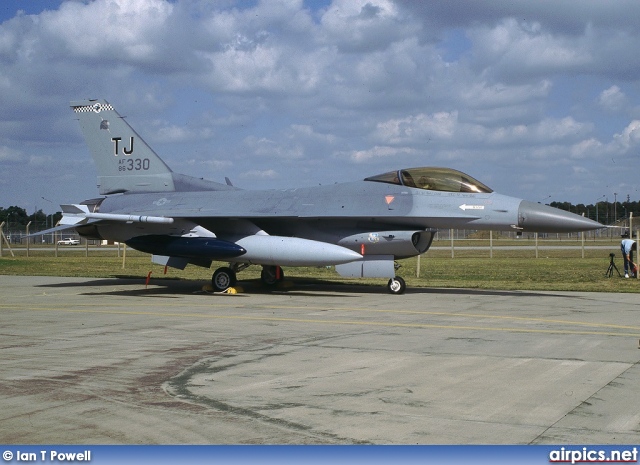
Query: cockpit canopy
{"x": 434, "y": 179}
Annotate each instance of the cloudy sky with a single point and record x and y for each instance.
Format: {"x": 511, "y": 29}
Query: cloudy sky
{"x": 537, "y": 99}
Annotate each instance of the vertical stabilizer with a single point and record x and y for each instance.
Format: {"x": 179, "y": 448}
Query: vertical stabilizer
{"x": 124, "y": 161}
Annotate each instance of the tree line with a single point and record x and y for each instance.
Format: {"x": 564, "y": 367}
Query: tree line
{"x": 16, "y": 218}
{"x": 603, "y": 212}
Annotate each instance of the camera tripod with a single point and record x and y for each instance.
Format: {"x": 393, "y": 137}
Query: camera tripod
{"x": 612, "y": 266}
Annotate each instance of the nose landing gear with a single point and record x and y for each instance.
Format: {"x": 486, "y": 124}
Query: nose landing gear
{"x": 397, "y": 285}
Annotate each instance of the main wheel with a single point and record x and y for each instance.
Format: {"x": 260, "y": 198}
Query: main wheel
{"x": 223, "y": 278}
{"x": 396, "y": 285}
{"x": 271, "y": 275}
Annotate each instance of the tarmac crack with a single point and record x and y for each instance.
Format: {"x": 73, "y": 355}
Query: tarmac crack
{"x": 580, "y": 408}
{"x": 178, "y": 387}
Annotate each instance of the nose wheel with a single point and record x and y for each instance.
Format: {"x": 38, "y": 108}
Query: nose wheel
{"x": 397, "y": 285}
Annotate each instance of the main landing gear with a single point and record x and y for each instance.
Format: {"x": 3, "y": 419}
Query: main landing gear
{"x": 271, "y": 275}
{"x": 225, "y": 277}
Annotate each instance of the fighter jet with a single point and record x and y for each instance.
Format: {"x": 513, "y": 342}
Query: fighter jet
{"x": 359, "y": 227}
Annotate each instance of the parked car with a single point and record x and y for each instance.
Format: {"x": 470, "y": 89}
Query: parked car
{"x": 69, "y": 241}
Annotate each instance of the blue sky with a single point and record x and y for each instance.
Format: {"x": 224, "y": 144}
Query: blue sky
{"x": 538, "y": 100}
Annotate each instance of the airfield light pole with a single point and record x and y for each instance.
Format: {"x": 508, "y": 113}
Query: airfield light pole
{"x": 597, "y": 201}
{"x": 597, "y": 232}
{"x": 46, "y": 220}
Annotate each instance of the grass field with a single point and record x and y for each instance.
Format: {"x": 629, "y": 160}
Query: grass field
{"x": 513, "y": 269}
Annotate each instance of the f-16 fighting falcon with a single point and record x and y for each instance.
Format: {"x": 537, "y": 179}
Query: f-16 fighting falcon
{"x": 360, "y": 227}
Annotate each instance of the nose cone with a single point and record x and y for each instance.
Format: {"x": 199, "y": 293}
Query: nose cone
{"x": 535, "y": 217}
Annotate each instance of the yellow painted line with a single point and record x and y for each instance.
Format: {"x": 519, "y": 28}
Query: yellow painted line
{"x": 319, "y": 321}
{"x": 466, "y": 315}
{"x": 389, "y": 311}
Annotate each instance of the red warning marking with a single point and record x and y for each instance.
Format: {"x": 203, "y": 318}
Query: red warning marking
{"x": 389, "y": 199}
{"x": 361, "y": 249}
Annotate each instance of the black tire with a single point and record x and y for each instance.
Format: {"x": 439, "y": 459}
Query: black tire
{"x": 223, "y": 278}
{"x": 270, "y": 276}
{"x": 397, "y": 285}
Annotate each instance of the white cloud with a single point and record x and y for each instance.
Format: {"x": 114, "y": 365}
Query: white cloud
{"x": 491, "y": 95}
{"x": 9, "y": 155}
{"x": 586, "y": 149}
{"x": 166, "y": 132}
{"x": 629, "y": 138}
{"x": 128, "y": 30}
{"x": 518, "y": 48}
{"x": 263, "y": 147}
{"x": 362, "y": 156}
{"x": 440, "y": 125}
{"x": 612, "y": 99}
{"x": 40, "y": 160}
{"x": 258, "y": 174}
{"x": 208, "y": 165}
{"x": 445, "y": 128}
{"x": 357, "y": 26}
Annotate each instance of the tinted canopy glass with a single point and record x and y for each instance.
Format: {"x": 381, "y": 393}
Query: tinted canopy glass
{"x": 435, "y": 179}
